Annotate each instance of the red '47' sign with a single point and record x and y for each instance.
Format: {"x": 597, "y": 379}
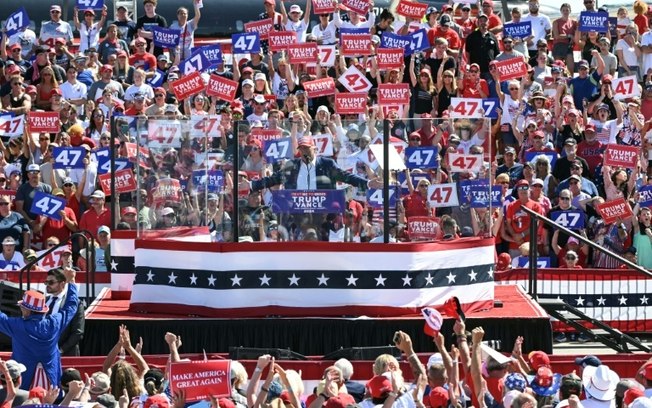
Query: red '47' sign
{"x": 201, "y": 379}
{"x": 188, "y": 85}
{"x": 411, "y": 9}
{"x": 46, "y": 122}
{"x": 621, "y": 156}
{"x": 625, "y": 87}
{"x": 613, "y": 210}
{"x": 124, "y": 181}
{"x": 511, "y": 68}
{"x": 354, "y": 80}
{"x": 221, "y": 87}
{"x": 350, "y": 103}
{"x": 393, "y": 94}
{"x": 460, "y": 163}
{"x": 443, "y": 195}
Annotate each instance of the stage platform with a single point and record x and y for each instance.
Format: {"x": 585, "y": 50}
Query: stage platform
{"x": 514, "y": 313}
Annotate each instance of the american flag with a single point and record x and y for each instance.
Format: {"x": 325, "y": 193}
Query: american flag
{"x": 310, "y": 279}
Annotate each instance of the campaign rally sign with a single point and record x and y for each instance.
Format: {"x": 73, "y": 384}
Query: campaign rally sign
{"x": 260, "y": 27}
{"x": 49, "y": 261}
{"x": 104, "y": 163}
{"x": 511, "y": 68}
{"x": 645, "y": 196}
{"x": 424, "y": 228}
{"x": 552, "y": 157}
{"x": 90, "y": 4}
{"x": 350, "y": 103}
{"x": 125, "y": 181}
{"x": 322, "y": 7}
{"x": 402, "y": 179}
{"x": 308, "y": 201}
{"x": 462, "y": 163}
{"x": 411, "y": 9}
{"x": 44, "y": 122}
{"x": 476, "y": 193}
{"x": 421, "y": 157}
{"x": 156, "y": 80}
{"x": 213, "y": 53}
{"x": 302, "y": 53}
{"x": 323, "y": 144}
{"x": 280, "y": 40}
{"x": 47, "y": 205}
{"x": 375, "y": 198}
{"x": 16, "y": 22}
{"x": 245, "y": 43}
{"x": 518, "y": 30}
{"x": 68, "y": 157}
{"x": 419, "y": 41}
{"x": 278, "y": 149}
{"x": 594, "y": 21}
{"x": 221, "y": 87}
{"x": 571, "y": 219}
{"x": 196, "y": 62}
{"x": 355, "y": 44}
{"x": 443, "y": 195}
{"x": 542, "y": 262}
{"x": 359, "y": 6}
{"x": 163, "y": 133}
{"x": 613, "y": 210}
{"x": 389, "y": 58}
{"x": 391, "y": 40}
{"x": 319, "y": 87}
{"x": 11, "y": 125}
{"x": 474, "y": 108}
{"x": 188, "y": 85}
{"x": 166, "y": 37}
{"x": 626, "y": 87}
{"x": 201, "y": 380}
{"x": 211, "y": 180}
{"x": 166, "y": 189}
{"x": 354, "y": 80}
{"x": 326, "y": 55}
{"x": 265, "y": 134}
{"x": 621, "y": 156}
{"x": 393, "y": 94}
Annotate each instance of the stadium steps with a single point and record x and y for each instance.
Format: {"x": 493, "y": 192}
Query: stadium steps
{"x": 612, "y": 338}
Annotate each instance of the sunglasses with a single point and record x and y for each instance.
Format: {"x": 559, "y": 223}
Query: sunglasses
{"x": 58, "y": 12}
{"x": 43, "y": 139}
{"x": 423, "y": 186}
{"x": 159, "y": 96}
{"x": 68, "y": 185}
{"x": 474, "y": 71}
{"x": 17, "y": 84}
{"x": 4, "y": 204}
{"x": 105, "y": 138}
{"x": 415, "y": 139}
{"x": 98, "y": 115}
{"x": 523, "y": 188}
{"x": 50, "y": 282}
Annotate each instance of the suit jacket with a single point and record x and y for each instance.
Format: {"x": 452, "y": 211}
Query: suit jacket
{"x": 355, "y": 389}
{"x": 327, "y": 171}
{"x": 73, "y": 333}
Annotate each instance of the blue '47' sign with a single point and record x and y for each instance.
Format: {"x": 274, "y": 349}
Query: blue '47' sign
{"x": 47, "y": 205}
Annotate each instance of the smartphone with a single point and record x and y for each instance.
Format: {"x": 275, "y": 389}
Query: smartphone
{"x": 397, "y": 337}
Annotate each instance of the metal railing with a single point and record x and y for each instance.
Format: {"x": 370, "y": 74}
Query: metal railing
{"x": 532, "y": 276}
{"x": 90, "y": 263}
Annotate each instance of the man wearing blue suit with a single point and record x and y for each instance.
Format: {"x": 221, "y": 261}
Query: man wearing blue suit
{"x": 310, "y": 172}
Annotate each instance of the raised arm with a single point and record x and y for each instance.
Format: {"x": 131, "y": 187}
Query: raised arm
{"x": 404, "y": 343}
{"x": 413, "y": 76}
{"x": 75, "y": 18}
{"x": 197, "y": 16}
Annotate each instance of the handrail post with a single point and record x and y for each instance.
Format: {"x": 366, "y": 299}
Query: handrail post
{"x": 533, "y": 255}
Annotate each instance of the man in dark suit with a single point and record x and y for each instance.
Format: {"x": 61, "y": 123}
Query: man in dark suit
{"x": 74, "y": 332}
{"x": 309, "y": 172}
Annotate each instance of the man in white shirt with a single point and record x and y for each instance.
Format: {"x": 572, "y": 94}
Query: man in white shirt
{"x": 74, "y": 91}
{"x": 646, "y": 47}
{"x": 599, "y": 387}
{"x": 541, "y": 26}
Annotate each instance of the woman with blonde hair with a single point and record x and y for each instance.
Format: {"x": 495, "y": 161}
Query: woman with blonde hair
{"x": 641, "y": 20}
{"x": 424, "y": 94}
{"x": 122, "y": 72}
{"x": 45, "y": 87}
{"x": 446, "y": 88}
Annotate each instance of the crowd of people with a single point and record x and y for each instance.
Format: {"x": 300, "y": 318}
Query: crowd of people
{"x": 543, "y": 144}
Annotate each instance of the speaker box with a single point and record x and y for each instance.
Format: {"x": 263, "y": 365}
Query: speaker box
{"x": 362, "y": 353}
{"x": 249, "y": 353}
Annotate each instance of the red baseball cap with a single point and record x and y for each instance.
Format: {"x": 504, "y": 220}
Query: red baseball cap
{"x": 537, "y": 358}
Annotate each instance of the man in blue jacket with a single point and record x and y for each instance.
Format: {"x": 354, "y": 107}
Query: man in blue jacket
{"x": 35, "y": 335}
{"x": 310, "y": 172}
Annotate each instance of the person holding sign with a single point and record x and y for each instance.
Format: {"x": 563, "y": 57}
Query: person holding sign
{"x": 354, "y": 18}
{"x": 89, "y": 30}
{"x": 26, "y": 192}
{"x": 628, "y": 51}
{"x": 55, "y": 28}
{"x": 144, "y": 24}
{"x": 518, "y": 222}
{"x": 293, "y": 22}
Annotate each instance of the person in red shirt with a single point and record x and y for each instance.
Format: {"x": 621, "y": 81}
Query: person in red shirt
{"x": 518, "y": 221}
{"x": 63, "y": 228}
{"x": 591, "y": 149}
{"x": 95, "y": 216}
{"x": 472, "y": 86}
{"x": 416, "y": 203}
{"x": 538, "y": 145}
{"x": 427, "y": 133}
{"x": 494, "y": 22}
{"x": 138, "y": 107}
{"x": 466, "y": 21}
{"x": 142, "y": 58}
{"x": 444, "y": 30}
